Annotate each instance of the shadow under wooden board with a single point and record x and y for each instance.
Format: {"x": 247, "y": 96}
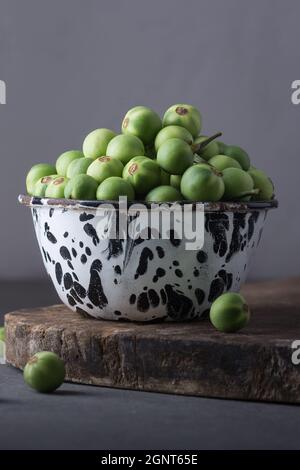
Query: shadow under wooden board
{"x": 181, "y": 358}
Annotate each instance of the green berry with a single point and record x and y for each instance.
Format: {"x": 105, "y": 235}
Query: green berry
{"x": 79, "y": 166}
{"x": 125, "y": 147}
{"x": 143, "y": 174}
{"x": 105, "y": 167}
{"x": 210, "y": 150}
{"x": 202, "y": 183}
{"x": 114, "y": 187}
{"x": 175, "y": 181}
{"x": 175, "y": 156}
{"x": 229, "y": 312}
{"x": 239, "y": 155}
{"x": 42, "y": 184}
{"x": 143, "y": 123}
{"x": 163, "y": 194}
{"x": 184, "y": 115}
{"x": 55, "y": 190}
{"x": 65, "y": 159}
{"x": 221, "y": 162}
{"x": 238, "y": 184}
{"x": 263, "y": 183}
{"x": 44, "y": 372}
{"x": 171, "y": 132}
{"x": 96, "y": 142}
{"x": 37, "y": 172}
{"x": 82, "y": 187}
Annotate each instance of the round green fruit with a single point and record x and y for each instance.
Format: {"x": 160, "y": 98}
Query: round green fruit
{"x": 163, "y": 194}
{"x": 65, "y": 159}
{"x": 125, "y": 147}
{"x": 210, "y": 150}
{"x": 171, "y": 132}
{"x": 143, "y": 174}
{"x": 44, "y": 372}
{"x": 79, "y": 166}
{"x": 229, "y": 313}
{"x": 82, "y": 187}
{"x": 56, "y": 189}
{"x": 263, "y": 183}
{"x": 142, "y": 122}
{"x": 37, "y": 172}
{"x": 202, "y": 183}
{"x": 238, "y": 184}
{"x": 96, "y": 142}
{"x": 42, "y": 184}
{"x": 239, "y": 155}
{"x": 105, "y": 167}
{"x": 184, "y": 115}
{"x": 175, "y": 181}
{"x": 114, "y": 187}
{"x": 220, "y": 162}
{"x": 175, "y": 156}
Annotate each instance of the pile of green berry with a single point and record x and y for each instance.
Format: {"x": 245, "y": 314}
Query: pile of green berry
{"x": 153, "y": 160}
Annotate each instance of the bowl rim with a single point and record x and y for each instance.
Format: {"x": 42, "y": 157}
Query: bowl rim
{"x": 220, "y": 206}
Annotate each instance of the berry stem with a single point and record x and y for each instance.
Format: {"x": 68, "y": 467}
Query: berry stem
{"x": 197, "y": 147}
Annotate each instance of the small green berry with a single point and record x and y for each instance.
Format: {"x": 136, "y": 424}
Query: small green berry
{"x": 229, "y": 312}
{"x": 44, "y": 372}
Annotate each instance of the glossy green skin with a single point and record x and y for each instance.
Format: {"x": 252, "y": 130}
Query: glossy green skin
{"x": 82, "y": 187}
{"x": 142, "y": 122}
{"x": 143, "y": 174}
{"x": 210, "y": 150}
{"x": 163, "y": 194}
{"x": 239, "y": 155}
{"x": 65, "y": 159}
{"x": 171, "y": 132}
{"x": 175, "y": 156}
{"x": 184, "y": 115}
{"x": 175, "y": 181}
{"x": 125, "y": 147}
{"x": 42, "y": 184}
{"x": 79, "y": 166}
{"x": 96, "y": 142}
{"x": 229, "y": 313}
{"x": 164, "y": 177}
{"x": 2, "y": 333}
{"x": 263, "y": 183}
{"x": 44, "y": 372}
{"x": 201, "y": 183}
{"x": 220, "y": 162}
{"x": 221, "y": 147}
{"x": 37, "y": 172}
{"x": 237, "y": 183}
{"x": 56, "y": 189}
{"x": 114, "y": 187}
{"x": 105, "y": 167}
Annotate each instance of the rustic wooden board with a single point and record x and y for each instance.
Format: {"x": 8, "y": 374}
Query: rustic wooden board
{"x": 190, "y": 358}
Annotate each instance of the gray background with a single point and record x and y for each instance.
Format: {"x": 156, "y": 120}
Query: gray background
{"x": 72, "y": 66}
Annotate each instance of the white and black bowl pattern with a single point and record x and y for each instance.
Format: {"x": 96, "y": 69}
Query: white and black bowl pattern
{"x": 144, "y": 280}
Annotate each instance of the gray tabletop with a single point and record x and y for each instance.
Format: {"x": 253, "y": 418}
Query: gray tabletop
{"x": 86, "y": 417}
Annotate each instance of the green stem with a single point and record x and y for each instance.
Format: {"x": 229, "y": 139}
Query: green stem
{"x": 196, "y": 147}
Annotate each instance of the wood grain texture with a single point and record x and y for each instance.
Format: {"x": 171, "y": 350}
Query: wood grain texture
{"x": 182, "y": 358}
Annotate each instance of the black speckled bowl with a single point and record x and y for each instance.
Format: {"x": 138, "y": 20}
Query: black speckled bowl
{"x": 143, "y": 279}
